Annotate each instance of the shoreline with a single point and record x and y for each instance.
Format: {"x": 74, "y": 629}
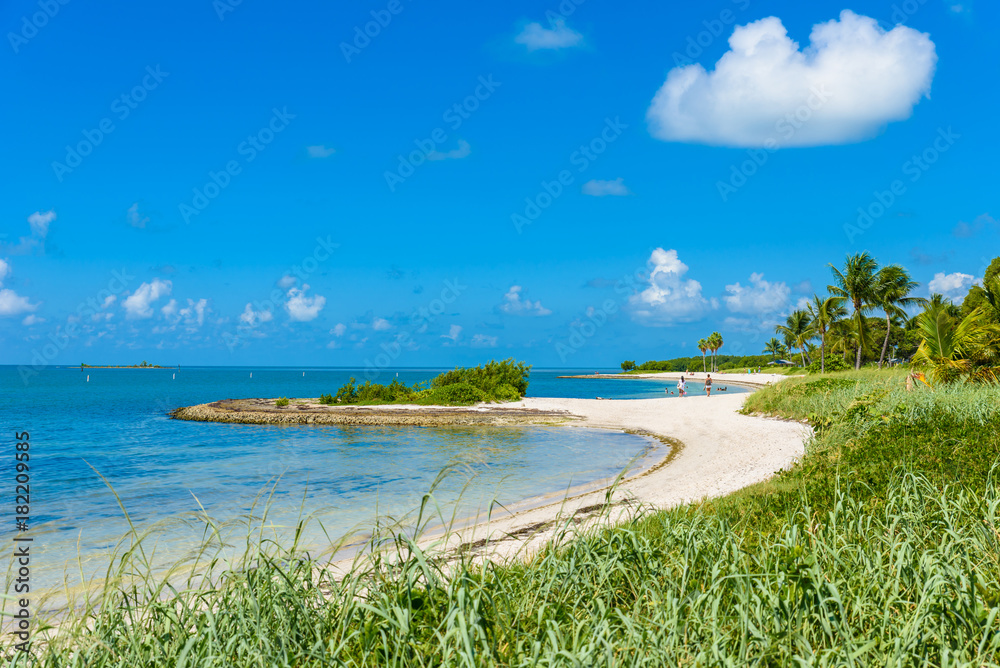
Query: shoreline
{"x": 755, "y": 380}
{"x": 714, "y": 450}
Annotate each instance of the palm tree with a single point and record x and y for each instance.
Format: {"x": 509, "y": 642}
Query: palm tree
{"x": 798, "y": 329}
{"x": 954, "y": 348}
{"x": 775, "y": 347}
{"x": 824, "y": 313}
{"x": 893, "y": 296}
{"x": 703, "y": 347}
{"x": 858, "y": 284}
{"x": 715, "y": 342}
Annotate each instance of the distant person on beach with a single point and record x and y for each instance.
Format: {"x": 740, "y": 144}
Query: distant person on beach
{"x": 708, "y": 385}
{"x": 682, "y": 387}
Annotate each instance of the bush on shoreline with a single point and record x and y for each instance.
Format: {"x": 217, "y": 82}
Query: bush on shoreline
{"x": 493, "y": 382}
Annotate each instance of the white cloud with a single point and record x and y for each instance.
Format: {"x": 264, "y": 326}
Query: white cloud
{"x": 598, "y": 188}
{"x": 170, "y": 308}
{"x": 757, "y": 298}
{"x": 4, "y": 270}
{"x": 462, "y": 151}
{"x": 320, "y": 151}
{"x": 39, "y": 223}
{"x": 484, "y": 341}
{"x": 381, "y": 324}
{"x": 850, "y": 81}
{"x": 287, "y": 281}
{"x": 109, "y": 300}
{"x": 250, "y": 317}
{"x": 134, "y": 218}
{"x": 952, "y": 286}
{"x": 194, "y": 313}
{"x": 670, "y": 298}
{"x": 514, "y": 305}
{"x": 558, "y": 36}
{"x": 139, "y": 303}
{"x": 32, "y": 320}
{"x": 453, "y": 333}
{"x": 12, "y": 303}
{"x": 302, "y": 308}
{"x": 339, "y": 329}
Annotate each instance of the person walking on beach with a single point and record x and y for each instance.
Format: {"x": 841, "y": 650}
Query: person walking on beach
{"x": 682, "y": 387}
{"x": 708, "y": 385}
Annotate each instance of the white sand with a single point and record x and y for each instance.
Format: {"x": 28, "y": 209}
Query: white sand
{"x": 722, "y": 452}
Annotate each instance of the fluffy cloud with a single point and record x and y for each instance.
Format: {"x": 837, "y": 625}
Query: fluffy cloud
{"x": 381, "y": 325}
{"x": 32, "y": 320}
{"x": 514, "y": 305}
{"x": 12, "y": 303}
{"x": 38, "y": 222}
{"x": 453, "y": 333}
{"x": 250, "y": 318}
{"x": 757, "y": 298}
{"x": 339, "y": 329}
{"x": 463, "y": 151}
{"x": 139, "y": 303}
{"x": 669, "y": 298}
{"x": 558, "y": 36}
{"x": 484, "y": 341}
{"x": 287, "y": 281}
{"x": 952, "y": 286}
{"x": 320, "y": 151}
{"x": 194, "y": 313}
{"x": 302, "y": 308}
{"x": 852, "y": 79}
{"x": 598, "y": 188}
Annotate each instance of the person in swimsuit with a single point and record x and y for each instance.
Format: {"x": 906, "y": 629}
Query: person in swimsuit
{"x": 681, "y": 387}
{"x": 708, "y": 385}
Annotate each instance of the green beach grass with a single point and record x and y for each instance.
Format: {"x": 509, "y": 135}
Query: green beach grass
{"x": 882, "y": 547}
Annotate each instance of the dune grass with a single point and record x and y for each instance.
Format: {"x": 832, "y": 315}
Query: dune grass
{"x": 881, "y": 548}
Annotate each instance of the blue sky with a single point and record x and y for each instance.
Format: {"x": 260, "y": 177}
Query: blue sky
{"x": 571, "y": 184}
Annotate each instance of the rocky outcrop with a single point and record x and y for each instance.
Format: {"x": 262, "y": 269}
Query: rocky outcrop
{"x": 264, "y": 411}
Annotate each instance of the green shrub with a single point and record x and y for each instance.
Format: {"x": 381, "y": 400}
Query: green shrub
{"x": 506, "y": 393}
{"x": 462, "y": 394}
{"x": 489, "y": 377}
{"x": 347, "y": 394}
{"x": 326, "y": 399}
{"x": 833, "y": 363}
{"x": 281, "y": 402}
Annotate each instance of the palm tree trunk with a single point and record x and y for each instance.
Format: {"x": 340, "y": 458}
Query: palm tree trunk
{"x": 822, "y": 351}
{"x": 885, "y": 344}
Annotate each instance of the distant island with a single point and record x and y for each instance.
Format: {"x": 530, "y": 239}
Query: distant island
{"x": 143, "y": 365}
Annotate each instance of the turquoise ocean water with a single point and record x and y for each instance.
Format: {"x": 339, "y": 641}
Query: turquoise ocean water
{"x": 115, "y": 425}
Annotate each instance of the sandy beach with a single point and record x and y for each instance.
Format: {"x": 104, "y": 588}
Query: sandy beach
{"x": 717, "y": 451}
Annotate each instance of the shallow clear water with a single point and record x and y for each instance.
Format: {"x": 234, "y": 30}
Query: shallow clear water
{"x": 116, "y": 425}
